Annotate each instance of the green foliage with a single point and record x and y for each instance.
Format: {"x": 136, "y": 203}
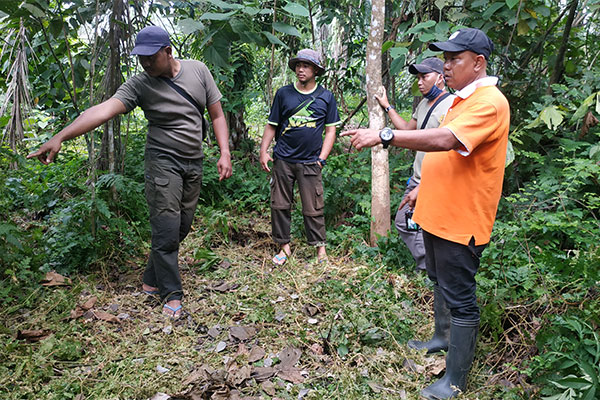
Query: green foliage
{"x": 569, "y": 366}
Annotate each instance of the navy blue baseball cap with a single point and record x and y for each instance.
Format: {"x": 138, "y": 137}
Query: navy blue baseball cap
{"x": 150, "y": 40}
{"x": 466, "y": 39}
{"x": 431, "y": 64}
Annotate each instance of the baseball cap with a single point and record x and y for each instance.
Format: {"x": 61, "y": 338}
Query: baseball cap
{"x": 310, "y": 56}
{"x": 466, "y": 39}
{"x": 150, "y": 40}
{"x": 431, "y": 64}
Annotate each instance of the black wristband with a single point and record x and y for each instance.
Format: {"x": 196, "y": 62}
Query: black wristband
{"x": 322, "y": 162}
{"x": 388, "y": 108}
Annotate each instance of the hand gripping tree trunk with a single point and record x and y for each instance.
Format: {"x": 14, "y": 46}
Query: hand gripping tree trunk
{"x": 380, "y": 172}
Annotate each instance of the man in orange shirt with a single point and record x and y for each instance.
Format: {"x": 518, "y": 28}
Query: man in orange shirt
{"x": 461, "y": 184}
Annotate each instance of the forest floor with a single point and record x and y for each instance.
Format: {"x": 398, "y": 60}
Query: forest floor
{"x": 306, "y": 330}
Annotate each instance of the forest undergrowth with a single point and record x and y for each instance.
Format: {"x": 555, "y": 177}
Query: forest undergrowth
{"x": 310, "y": 330}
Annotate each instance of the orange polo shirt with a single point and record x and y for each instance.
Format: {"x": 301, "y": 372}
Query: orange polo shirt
{"x": 460, "y": 189}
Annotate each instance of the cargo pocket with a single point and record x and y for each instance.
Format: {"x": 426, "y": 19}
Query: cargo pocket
{"x": 158, "y": 195}
{"x": 319, "y": 201}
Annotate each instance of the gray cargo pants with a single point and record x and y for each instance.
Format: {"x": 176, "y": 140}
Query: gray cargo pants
{"x": 172, "y": 188}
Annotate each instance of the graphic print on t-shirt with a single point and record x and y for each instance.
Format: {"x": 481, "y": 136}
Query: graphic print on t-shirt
{"x": 302, "y": 119}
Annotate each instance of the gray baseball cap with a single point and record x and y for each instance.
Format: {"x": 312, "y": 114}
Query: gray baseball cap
{"x": 310, "y": 56}
{"x": 431, "y": 64}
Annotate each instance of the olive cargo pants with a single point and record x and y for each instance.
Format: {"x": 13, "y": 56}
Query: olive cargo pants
{"x": 310, "y": 185}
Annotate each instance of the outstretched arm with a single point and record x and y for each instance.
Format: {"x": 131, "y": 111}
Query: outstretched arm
{"x": 222, "y": 134}
{"x": 90, "y": 119}
{"x": 434, "y": 139}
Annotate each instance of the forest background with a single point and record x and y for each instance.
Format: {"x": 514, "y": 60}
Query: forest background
{"x": 85, "y": 215}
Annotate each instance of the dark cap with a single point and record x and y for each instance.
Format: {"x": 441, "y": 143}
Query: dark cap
{"x": 466, "y": 39}
{"x": 431, "y": 64}
{"x": 150, "y": 40}
{"x": 310, "y": 56}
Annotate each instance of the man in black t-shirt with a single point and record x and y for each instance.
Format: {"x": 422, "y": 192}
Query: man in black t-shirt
{"x": 299, "y": 114}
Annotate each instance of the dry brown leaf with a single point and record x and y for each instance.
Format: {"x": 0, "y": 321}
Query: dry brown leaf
{"x": 198, "y": 375}
{"x": 242, "y": 350}
{"x": 317, "y": 349}
{"x": 311, "y": 309}
{"x": 438, "y": 366}
{"x": 291, "y": 375}
{"x": 268, "y": 387}
{"x": 262, "y": 373}
{"x": 239, "y": 333}
{"x": 413, "y": 366}
{"x": 33, "y": 335}
{"x": 237, "y": 376}
{"x": 76, "y": 313}
{"x": 104, "y": 316}
{"x": 588, "y": 121}
{"x": 257, "y": 353}
{"x": 376, "y": 387}
{"x": 289, "y": 357}
{"x": 55, "y": 279}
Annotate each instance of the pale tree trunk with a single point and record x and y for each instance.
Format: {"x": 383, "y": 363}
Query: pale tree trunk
{"x": 380, "y": 172}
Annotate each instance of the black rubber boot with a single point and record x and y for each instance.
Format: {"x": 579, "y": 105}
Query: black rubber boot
{"x": 441, "y": 335}
{"x": 463, "y": 336}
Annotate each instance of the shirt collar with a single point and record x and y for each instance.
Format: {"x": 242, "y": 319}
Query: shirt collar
{"x": 470, "y": 88}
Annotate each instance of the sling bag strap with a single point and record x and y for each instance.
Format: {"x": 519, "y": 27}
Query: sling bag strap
{"x": 189, "y": 98}
{"x": 438, "y": 101}
{"x": 315, "y": 95}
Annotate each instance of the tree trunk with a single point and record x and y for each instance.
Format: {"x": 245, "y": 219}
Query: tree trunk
{"x": 559, "y": 65}
{"x": 111, "y": 151}
{"x": 238, "y": 131}
{"x": 380, "y": 186}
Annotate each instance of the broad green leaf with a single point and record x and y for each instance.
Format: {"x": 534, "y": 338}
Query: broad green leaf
{"x": 251, "y": 10}
{"x": 218, "y": 16}
{"x": 491, "y": 10}
{"x": 585, "y": 105}
{"x": 522, "y": 27}
{"x": 396, "y": 65}
{"x": 574, "y": 382}
{"x": 225, "y": 5}
{"x": 36, "y": 12}
{"x": 296, "y": 9}
{"x": 273, "y": 39}
{"x": 342, "y": 350}
{"x": 552, "y": 117}
{"x": 189, "y": 25}
{"x": 479, "y": 3}
{"x": 420, "y": 27}
{"x": 285, "y": 28}
{"x": 595, "y": 152}
{"x": 387, "y": 45}
{"x": 426, "y": 37}
{"x": 396, "y": 52}
{"x": 214, "y": 56}
{"x": 512, "y": 3}
{"x": 440, "y": 4}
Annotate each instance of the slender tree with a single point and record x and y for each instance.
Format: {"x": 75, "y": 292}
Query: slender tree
{"x": 380, "y": 173}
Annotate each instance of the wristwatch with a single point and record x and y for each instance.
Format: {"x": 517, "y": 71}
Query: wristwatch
{"x": 322, "y": 162}
{"x": 388, "y": 108}
{"x": 386, "y": 135}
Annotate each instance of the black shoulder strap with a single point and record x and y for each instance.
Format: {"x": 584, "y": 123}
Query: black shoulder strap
{"x": 189, "y": 98}
{"x": 438, "y": 101}
{"x": 315, "y": 95}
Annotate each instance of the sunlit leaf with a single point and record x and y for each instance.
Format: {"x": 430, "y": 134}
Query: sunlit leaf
{"x": 225, "y": 5}
{"x": 491, "y": 10}
{"x": 440, "y": 4}
{"x": 552, "y": 117}
{"x": 189, "y": 26}
{"x": 512, "y": 3}
{"x": 273, "y": 39}
{"x": 36, "y": 12}
{"x": 510, "y": 154}
{"x": 396, "y": 52}
{"x": 420, "y": 27}
{"x": 296, "y": 9}
{"x": 285, "y": 28}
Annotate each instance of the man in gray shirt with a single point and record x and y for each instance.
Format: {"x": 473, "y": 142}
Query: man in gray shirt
{"x": 428, "y": 114}
{"x": 172, "y": 93}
